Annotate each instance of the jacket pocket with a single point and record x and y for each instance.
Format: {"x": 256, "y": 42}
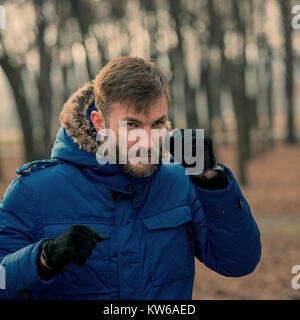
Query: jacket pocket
{"x": 94, "y": 276}
{"x": 170, "y": 244}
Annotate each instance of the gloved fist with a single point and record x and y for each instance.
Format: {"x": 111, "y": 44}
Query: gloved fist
{"x": 75, "y": 245}
{"x": 209, "y": 157}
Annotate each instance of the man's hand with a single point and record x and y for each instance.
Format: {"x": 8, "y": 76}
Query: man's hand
{"x": 209, "y": 157}
{"x": 213, "y": 176}
{"x": 74, "y": 245}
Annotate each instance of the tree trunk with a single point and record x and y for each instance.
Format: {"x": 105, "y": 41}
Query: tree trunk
{"x": 205, "y": 79}
{"x": 190, "y": 94}
{"x": 238, "y": 99}
{"x": 43, "y": 81}
{"x": 177, "y": 83}
{"x": 212, "y": 74}
{"x": 13, "y": 75}
{"x": 285, "y": 6}
{"x": 270, "y": 97}
{"x": 150, "y": 8}
{"x": 187, "y": 96}
{"x": 84, "y": 15}
{"x": 1, "y": 170}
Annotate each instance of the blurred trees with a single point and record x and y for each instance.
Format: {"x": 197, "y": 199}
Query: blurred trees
{"x": 221, "y": 58}
{"x": 289, "y": 69}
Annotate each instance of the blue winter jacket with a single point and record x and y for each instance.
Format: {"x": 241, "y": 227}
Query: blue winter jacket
{"x": 155, "y": 227}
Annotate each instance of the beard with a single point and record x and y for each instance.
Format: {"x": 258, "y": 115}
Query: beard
{"x": 144, "y": 170}
{"x": 139, "y": 170}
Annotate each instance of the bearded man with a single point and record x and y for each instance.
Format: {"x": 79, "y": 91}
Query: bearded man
{"x": 72, "y": 227}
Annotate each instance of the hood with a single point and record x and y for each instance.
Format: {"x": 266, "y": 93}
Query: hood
{"x": 76, "y": 139}
{"x": 74, "y": 117}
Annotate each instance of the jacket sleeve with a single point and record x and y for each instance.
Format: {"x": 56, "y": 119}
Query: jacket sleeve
{"x": 20, "y": 238}
{"x": 226, "y": 236}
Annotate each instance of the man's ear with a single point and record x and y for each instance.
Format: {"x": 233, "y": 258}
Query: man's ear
{"x": 98, "y": 120}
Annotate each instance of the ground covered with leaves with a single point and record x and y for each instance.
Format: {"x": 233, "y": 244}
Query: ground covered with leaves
{"x": 273, "y": 193}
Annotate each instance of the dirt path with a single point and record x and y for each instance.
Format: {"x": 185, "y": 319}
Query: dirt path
{"x": 280, "y": 237}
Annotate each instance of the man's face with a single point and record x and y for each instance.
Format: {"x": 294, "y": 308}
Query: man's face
{"x": 155, "y": 119}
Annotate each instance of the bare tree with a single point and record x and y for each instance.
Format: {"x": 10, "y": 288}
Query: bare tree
{"x": 82, "y": 11}
{"x": 233, "y": 74}
{"x": 14, "y": 76}
{"x": 44, "y": 85}
{"x": 270, "y": 101}
{"x": 211, "y": 71}
{"x": 149, "y": 6}
{"x": 285, "y": 6}
{"x": 1, "y": 170}
{"x": 187, "y": 96}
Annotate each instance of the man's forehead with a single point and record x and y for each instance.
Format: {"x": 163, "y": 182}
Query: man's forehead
{"x": 152, "y": 113}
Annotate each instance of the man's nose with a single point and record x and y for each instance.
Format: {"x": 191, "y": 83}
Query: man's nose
{"x": 145, "y": 140}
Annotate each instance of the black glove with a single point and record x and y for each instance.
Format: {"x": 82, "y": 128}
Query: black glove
{"x": 209, "y": 157}
{"x": 217, "y": 182}
{"x": 75, "y": 245}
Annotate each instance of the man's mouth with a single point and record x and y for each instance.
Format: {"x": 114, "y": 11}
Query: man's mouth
{"x": 144, "y": 160}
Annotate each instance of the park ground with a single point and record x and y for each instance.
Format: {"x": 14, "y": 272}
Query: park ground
{"x": 273, "y": 193}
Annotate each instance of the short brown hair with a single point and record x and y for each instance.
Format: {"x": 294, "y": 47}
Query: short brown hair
{"x": 130, "y": 80}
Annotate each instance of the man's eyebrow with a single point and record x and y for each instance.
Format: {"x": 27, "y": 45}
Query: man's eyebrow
{"x": 132, "y": 119}
{"x": 138, "y": 121}
{"x": 161, "y": 118}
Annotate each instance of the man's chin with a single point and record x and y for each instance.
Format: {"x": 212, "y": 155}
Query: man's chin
{"x": 139, "y": 170}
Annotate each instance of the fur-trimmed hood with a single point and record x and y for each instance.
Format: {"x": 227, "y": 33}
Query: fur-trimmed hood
{"x": 74, "y": 117}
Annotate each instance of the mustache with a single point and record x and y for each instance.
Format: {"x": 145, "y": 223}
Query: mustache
{"x": 145, "y": 152}
{"x": 154, "y": 153}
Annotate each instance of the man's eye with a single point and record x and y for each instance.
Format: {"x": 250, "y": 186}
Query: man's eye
{"x": 159, "y": 123}
{"x": 131, "y": 124}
